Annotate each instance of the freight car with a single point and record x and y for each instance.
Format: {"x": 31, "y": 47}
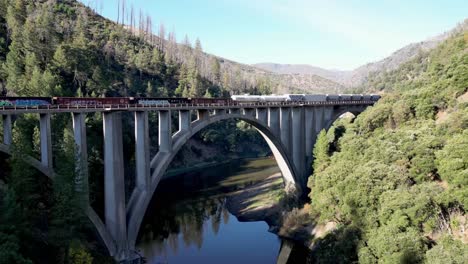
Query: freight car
{"x": 315, "y": 97}
{"x": 151, "y": 101}
{"x": 90, "y": 102}
{"x": 25, "y": 101}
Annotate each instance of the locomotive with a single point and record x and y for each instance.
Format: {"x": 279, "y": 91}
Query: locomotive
{"x": 165, "y": 101}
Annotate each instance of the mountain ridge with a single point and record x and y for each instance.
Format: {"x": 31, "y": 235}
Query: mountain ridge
{"x": 359, "y": 75}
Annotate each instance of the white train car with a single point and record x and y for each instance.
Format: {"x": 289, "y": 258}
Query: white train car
{"x": 246, "y": 98}
{"x": 274, "y": 98}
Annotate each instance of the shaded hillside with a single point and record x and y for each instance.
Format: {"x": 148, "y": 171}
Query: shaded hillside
{"x": 395, "y": 180}
{"x": 362, "y": 74}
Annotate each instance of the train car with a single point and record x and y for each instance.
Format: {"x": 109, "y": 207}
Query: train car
{"x": 366, "y": 97}
{"x": 246, "y": 98}
{"x": 333, "y": 97}
{"x": 273, "y": 98}
{"x": 211, "y": 101}
{"x": 295, "y": 97}
{"x": 158, "y": 101}
{"x": 356, "y": 97}
{"x": 90, "y": 102}
{"x": 375, "y": 97}
{"x": 25, "y": 101}
{"x": 315, "y": 97}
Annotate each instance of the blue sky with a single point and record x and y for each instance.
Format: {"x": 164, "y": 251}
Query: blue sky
{"x": 332, "y": 34}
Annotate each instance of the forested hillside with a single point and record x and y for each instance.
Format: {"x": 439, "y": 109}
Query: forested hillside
{"x": 395, "y": 181}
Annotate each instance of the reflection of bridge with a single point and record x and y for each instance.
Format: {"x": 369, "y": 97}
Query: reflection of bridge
{"x": 290, "y": 130}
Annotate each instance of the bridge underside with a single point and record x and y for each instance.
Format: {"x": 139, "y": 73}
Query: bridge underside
{"x": 290, "y": 132}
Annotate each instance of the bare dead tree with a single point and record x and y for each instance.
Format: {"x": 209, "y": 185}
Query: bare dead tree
{"x": 118, "y": 11}
{"x": 132, "y": 20}
{"x": 162, "y": 37}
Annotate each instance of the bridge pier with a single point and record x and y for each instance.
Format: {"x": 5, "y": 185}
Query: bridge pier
{"x": 46, "y": 140}
{"x": 114, "y": 187}
{"x": 142, "y": 154}
{"x": 298, "y": 142}
{"x": 285, "y": 127}
{"x": 79, "y": 131}
{"x": 165, "y": 131}
{"x": 7, "y": 130}
{"x": 273, "y": 120}
{"x": 184, "y": 120}
{"x": 310, "y": 133}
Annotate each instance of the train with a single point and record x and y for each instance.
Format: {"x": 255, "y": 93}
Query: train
{"x": 165, "y": 101}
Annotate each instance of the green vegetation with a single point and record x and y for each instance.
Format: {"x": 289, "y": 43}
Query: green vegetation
{"x": 62, "y": 48}
{"x": 395, "y": 182}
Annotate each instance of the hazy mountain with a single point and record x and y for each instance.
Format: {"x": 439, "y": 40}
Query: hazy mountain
{"x": 359, "y": 75}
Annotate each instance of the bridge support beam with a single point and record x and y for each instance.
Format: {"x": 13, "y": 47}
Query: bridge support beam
{"x": 298, "y": 142}
{"x": 165, "y": 131}
{"x": 184, "y": 120}
{"x": 79, "y": 131}
{"x": 7, "y": 130}
{"x": 285, "y": 127}
{"x": 310, "y": 135}
{"x": 142, "y": 154}
{"x": 114, "y": 187}
{"x": 273, "y": 121}
{"x": 46, "y": 140}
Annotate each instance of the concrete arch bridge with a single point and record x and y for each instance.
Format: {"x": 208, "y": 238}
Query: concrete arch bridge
{"x": 289, "y": 128}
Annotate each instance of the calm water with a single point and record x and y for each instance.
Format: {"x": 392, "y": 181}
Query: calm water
{"x": 188, "y": 221}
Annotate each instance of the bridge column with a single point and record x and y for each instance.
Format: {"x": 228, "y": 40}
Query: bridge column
{"x": 202, "y": 114}
{"x": 79, "y": 131}
{"x": 7, "y": 130}
{"x": 319, "y": 121}
{"x": 184, "y": 120}
{"x": 310, "y": 135}
{"x": 298, "y": 145}
{"x": 165, "y": 132}
{"x": 142, "y": 154}
{"x": 114, "y": 187}
{"x": 285, "y": 127}
{"x": 273, "y": 120}
{"x": 46, "y": 140}
{"x": 262, "y": 115}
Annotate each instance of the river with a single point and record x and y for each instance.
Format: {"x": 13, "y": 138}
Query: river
{"x": 188, "y": 220}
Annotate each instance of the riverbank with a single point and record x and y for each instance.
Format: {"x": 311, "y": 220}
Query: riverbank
{"x": 287, "y": 217}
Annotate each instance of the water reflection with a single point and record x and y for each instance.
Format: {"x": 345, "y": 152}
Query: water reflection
{"x": 188, "y": 221}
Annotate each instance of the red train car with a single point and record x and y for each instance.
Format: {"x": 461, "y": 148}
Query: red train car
{"x": 90, "y": 102}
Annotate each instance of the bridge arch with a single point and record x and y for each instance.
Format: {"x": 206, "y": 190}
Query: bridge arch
{"x": 161, "y": 161}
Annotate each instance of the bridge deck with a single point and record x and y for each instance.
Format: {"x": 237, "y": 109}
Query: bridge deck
{"x": 132, "y": 108}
